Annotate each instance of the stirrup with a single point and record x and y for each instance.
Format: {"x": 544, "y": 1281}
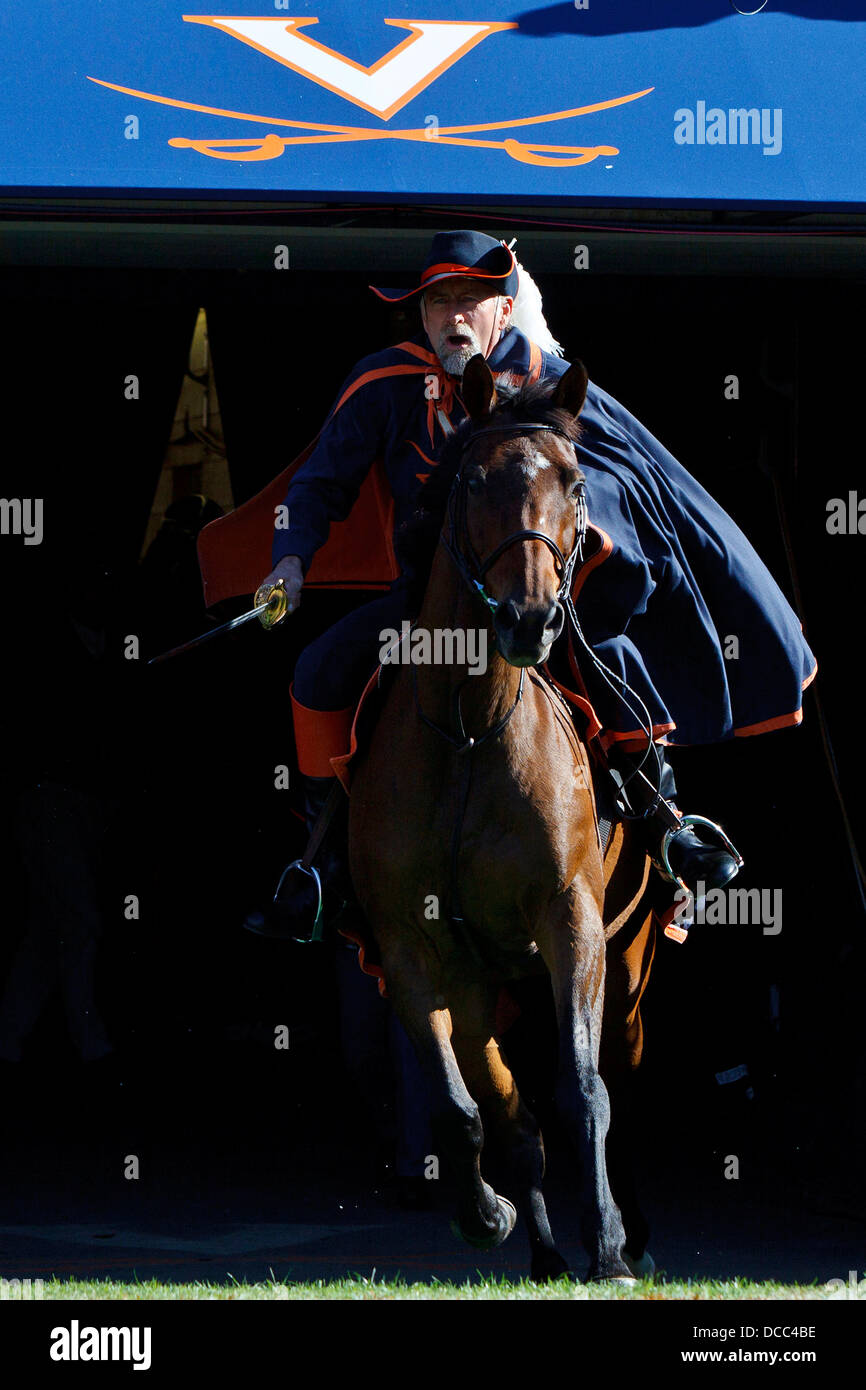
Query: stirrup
{"x": 684, "y": 823}
{"x": 313, "y": 873}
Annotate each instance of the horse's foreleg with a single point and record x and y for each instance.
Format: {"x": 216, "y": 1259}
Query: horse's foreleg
{"x": 508, "y": 1123}
{"x": 573, "y": 948}
{"x": 483, "y": 1218}
{"x": 629, "y": 958}
{"x": 515, "y": 1133}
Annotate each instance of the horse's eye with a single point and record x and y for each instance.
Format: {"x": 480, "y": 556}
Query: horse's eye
{"x": 576, "y": 488}
{"x": 474, "y": 485}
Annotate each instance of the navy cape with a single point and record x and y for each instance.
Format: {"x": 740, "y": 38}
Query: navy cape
{"x": 673, "y": 597}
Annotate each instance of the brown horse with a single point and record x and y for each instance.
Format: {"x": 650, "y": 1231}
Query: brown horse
{"x": 474, "y": 844}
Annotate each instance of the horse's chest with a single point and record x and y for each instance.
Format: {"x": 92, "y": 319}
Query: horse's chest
{"x": 492, "y": 840}
{"x": 497, "y": 870}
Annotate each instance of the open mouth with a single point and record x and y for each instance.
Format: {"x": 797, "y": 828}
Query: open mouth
{"x": 457, "y": 340}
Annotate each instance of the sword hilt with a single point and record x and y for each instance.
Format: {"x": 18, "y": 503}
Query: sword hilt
{"x": 277, "y": 599}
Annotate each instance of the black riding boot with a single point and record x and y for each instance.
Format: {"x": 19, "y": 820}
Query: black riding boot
{"x": 701, "y": 856}
{"x": 297, "y": 906}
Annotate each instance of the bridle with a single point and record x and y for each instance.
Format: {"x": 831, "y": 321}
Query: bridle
{"x": 460, "y": 548}
{"x": 473, "y": 570}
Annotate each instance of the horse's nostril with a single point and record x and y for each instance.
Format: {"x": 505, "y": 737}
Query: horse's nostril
{"x": 507, "y": 616}
{"x": 555, "y": 620}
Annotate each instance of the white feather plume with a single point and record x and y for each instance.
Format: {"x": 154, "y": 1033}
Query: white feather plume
{"x": 528, "y": 314}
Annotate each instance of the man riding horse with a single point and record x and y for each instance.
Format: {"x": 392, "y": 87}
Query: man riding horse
{"x": 665, "y": 581}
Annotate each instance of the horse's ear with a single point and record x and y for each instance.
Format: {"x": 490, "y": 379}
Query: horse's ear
{"x": 479, "y": 388}
{"x": 570, "y": 392}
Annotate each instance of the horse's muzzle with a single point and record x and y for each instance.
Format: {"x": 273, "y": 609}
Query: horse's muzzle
{"x": 524, "y": 637}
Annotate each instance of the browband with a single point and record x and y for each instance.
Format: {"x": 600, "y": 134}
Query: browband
{"x": 519, "y": 429}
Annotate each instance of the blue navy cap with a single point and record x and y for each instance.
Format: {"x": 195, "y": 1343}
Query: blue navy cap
{"x": 463, "y": 253}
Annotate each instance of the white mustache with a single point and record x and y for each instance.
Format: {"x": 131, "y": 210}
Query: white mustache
{"x": 464, "y": 335}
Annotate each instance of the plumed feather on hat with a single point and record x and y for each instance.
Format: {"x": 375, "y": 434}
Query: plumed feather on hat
{"x": 528, "y": 315}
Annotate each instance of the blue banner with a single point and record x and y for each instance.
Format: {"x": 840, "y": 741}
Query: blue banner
{"x": 608, "y": 102}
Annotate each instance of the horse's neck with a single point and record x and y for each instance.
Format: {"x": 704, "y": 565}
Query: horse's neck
{"x": 485, "y": 697}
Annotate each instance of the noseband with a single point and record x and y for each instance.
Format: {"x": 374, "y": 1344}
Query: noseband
{"x": 471, "y": 568}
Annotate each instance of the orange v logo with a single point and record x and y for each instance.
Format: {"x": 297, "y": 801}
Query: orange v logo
{"x": 387, "y": 86}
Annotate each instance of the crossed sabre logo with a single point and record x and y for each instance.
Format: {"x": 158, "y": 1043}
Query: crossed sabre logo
{"x": 383, "y": 89}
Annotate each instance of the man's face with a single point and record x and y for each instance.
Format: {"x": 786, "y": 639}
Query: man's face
{"x": 462, "y": 317}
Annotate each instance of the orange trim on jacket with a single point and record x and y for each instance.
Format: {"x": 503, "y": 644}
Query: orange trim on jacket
{"x": 417, "y": 351}
{"x": 432, "y": 462}
{"x": 535, "y": 361}
{"x": 781, "y": 721}
{"x": 402, "y": 369}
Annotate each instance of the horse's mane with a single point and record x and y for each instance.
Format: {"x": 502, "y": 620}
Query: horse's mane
{"x": 416, "y": 540}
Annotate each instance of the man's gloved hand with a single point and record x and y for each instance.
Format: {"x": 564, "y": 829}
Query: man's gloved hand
{"x": 290, "y": 571}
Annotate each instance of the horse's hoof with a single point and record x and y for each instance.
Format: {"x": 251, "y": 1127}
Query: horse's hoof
{"x": 507, "y": 1220}
{"x": 642, "y": 1266}
{"x": 616, "y": 1269}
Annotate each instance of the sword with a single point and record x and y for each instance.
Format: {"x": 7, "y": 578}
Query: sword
{"x": 271, "y": 606}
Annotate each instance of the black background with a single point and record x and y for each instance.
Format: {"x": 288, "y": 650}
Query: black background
{"x": 184, "y": 753}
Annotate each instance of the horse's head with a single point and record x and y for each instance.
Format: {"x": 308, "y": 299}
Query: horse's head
{"x": 514, "y": 515}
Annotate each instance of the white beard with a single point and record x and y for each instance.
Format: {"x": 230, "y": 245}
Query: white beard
{"x": 454, "y": 360}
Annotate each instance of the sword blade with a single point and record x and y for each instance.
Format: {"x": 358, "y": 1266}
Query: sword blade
{"x": 216, "y": 632}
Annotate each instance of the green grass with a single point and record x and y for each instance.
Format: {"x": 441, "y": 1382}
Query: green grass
{"x": 361, "y": 1287}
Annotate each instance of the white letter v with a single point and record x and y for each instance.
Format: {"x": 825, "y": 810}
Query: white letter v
{"x": 384, "y": 88}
